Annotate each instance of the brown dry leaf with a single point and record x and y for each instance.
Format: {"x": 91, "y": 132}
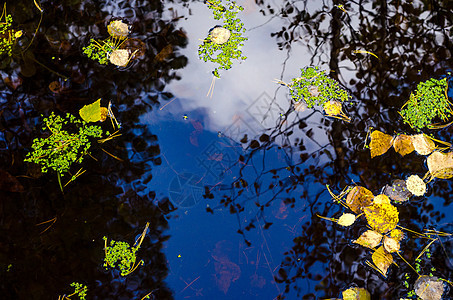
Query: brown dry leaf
{"x": 423, "y": 144}
{"x": 380, "y": 143}
{"x": 440, "y": 164}
{"x": 55, "y": 87}
{"x": 356, "y": 293}
{"x": 398, "y": 191}
{"x": 382, "y": 260}
{"x": 358, "y": 198}
{"x": 391, "y": 245}
{"x": 164, "y": 53}
{"x": 369, "y": 239}
{"x": 429, "y": 287}
{"x": 403, "y": 144}
{"x": 104, "y": 113}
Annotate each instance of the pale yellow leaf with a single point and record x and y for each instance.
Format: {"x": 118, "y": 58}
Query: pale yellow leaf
{"x": 381, "y": 199}
{"x": 440, "y": 164}
{"x": 391, "y": 245}
{"x": 369, "y": 239}
{"x": 382, "y": 260}
{"x": 346, "y": 219}
{"x": 423, "y": 144}
{"x": 429, "y": 287}
{"x": 416, "y": 185}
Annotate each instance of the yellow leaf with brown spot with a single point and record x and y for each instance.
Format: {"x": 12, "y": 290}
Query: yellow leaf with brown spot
{"x": 391, "y": 245}
{"x": 369, "y": 239}
{"x": 423, "y": 144}
{"x": 440, "y": 164}
{"x": 380, "y": 143}
{"x": 382, "y": 260}
{"x": 358, "y": 198}
{"x": 403, "y": 144}
{"x": 382, "y": 217}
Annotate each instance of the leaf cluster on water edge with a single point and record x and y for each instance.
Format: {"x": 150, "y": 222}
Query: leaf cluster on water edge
{"x": 222, "y": 54}
{"x": 429, "y": 101}
{"x": 80, "y": 291}
{"x": 8, "y": 36}
{"x": 63, "y": 148}
{"x": 120, "y": 254}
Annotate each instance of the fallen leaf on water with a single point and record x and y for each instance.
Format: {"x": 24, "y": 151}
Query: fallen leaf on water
{"x": 119, "y": 57}
{"x": 382, "y": 217}
{"x": 397, "y": 191}
{"x": 91, "y": 112}
{"x": 104, "y": 113}
{"x": 332, "y": 108}
{"x": 379, "y": 199}
{"x": 346, "y": 219}
{"x": 164, "y": 53}
{"x": 423, "y": 144}
{"x": 429, "y": 287}
{"x": 55, "y": 87}
{"x": 369, "y": 239}
{"x": 397, "y": 234}
{"x": 403, "y": 144}
{"x": 440, "y": 164}
{"x": 416, "y": 185}
{"x": 356, "y": 293}
{"x": 382, "y": 260}
{"x": 380, "y": 143}
{"x": 358, "y": 198}
{"x": 391, "y": 245}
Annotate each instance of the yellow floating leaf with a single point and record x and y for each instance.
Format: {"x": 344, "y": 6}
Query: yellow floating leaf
{"x": 369, "y": 239}
{"x": 382, "y": 217}
{"x": 380, "y": 143}
{"x": 104, "y": 113}
{"x": 356, "y": 293}
{"x": 118, "y": 29}
{"x": 346, "y": 219}
{"x": 358, "y": 198}
{"x": 391, "y": 245}
{"x": 119, "y": 57}
{"x": 440, "y": 164}
{"x": 429, "y": 287}
{"x": 403, "y": 144}
{"x": 332, "y": 108}
{"x": 382, "y": 260}
{"x": 397, "y": 191}
{"x": 423, "y": 144}
{"x": 381, "y": 199}
{"x": 416, "y": 185}
{"x": 397, "y": 234}
{"x": 91, "y": 112}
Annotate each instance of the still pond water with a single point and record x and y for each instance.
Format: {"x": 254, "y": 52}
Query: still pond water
{"x": 231, "y": 185}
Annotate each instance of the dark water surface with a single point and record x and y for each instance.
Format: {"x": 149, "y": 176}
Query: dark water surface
{"x": 231, "y": 185}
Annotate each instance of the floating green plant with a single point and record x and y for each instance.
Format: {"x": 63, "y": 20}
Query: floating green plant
{"x": 63, "y": 146}
{"x": 224, "y": 42}
{"x": 8, "y": 35}
{"x": 428, "y": 102}
{"x": 99, "y": 50}
{"x": 80, "y": 291}
{"x": 122, "y": 255}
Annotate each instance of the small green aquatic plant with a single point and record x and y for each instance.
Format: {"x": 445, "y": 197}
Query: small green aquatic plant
{"x": 8, "y": 36}
{"x": 80, "y": 290}
{"x": 428, "y": 102}
{"x": 62, "y": 148}
{"x": 316, "y": 88}
{"x": 222, "y": 50}
{"x": 122, "y": 255}
{"x": 99, "y": 50}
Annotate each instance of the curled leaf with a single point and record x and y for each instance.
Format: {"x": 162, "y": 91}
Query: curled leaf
{"x": 391, "y": 245}
{"x": 423, "y": 144}
{"x": 346, "y": 219}
{"x": 369, "y": 239}
{"x": 382, "y": 260}
{"x": 358, "y": 198}
{"x": 380, "y": 143}
{"x": 382, "y": 217}
{"x": 403, "y": 144}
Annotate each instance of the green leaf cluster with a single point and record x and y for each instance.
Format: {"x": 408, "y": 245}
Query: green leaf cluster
{"x": 100, "y": 50}
{"x": 301, "y": 88}
{"x": 62, "y": 148}
{"x": 428, "y": 102}
{"x": 223, "y": 54}
{"x": 120, "y": 254}
{"x": 8, "y": 36}
{"x": 80, "y": 290}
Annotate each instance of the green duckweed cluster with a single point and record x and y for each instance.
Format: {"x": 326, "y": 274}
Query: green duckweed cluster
{"x": 316, "y": 88}
{"x": 120, "y": 254}
{"x": 223, "y": 54}
{"x": 99, "y": 50}
{"x": 80, "y": 290}
{"x": 428, "y": 102}
{"x": 62, "y": 148}
{"x": 8, "y": 36}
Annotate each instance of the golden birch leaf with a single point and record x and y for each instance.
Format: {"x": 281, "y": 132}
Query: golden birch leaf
{"x": 397, "y": 234}
{"x": 382, "y": 217}
{"x": 91, "y": 112}
{"x": 391, "y": 245}
{"x": 380, "y": 143}
{"x": 346, "y": 219}
{"x": 381, "y": 199}
{"x": 440, "y": 164}
{"x": 429, "y": 287}
{"x": 403, "y": 144}
{"x": 104, "y": 113}
{"x": 332, "y": 108}
{"x": 356, "y": 293}
{"x": 423, "y": 144}
{"x": 382, "y": 260}
{"x": 358, "y": 198}
{"x": 369, "y": 239}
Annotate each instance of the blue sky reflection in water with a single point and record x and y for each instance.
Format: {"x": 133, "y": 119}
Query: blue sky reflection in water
{"x": 260, "y": 167}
